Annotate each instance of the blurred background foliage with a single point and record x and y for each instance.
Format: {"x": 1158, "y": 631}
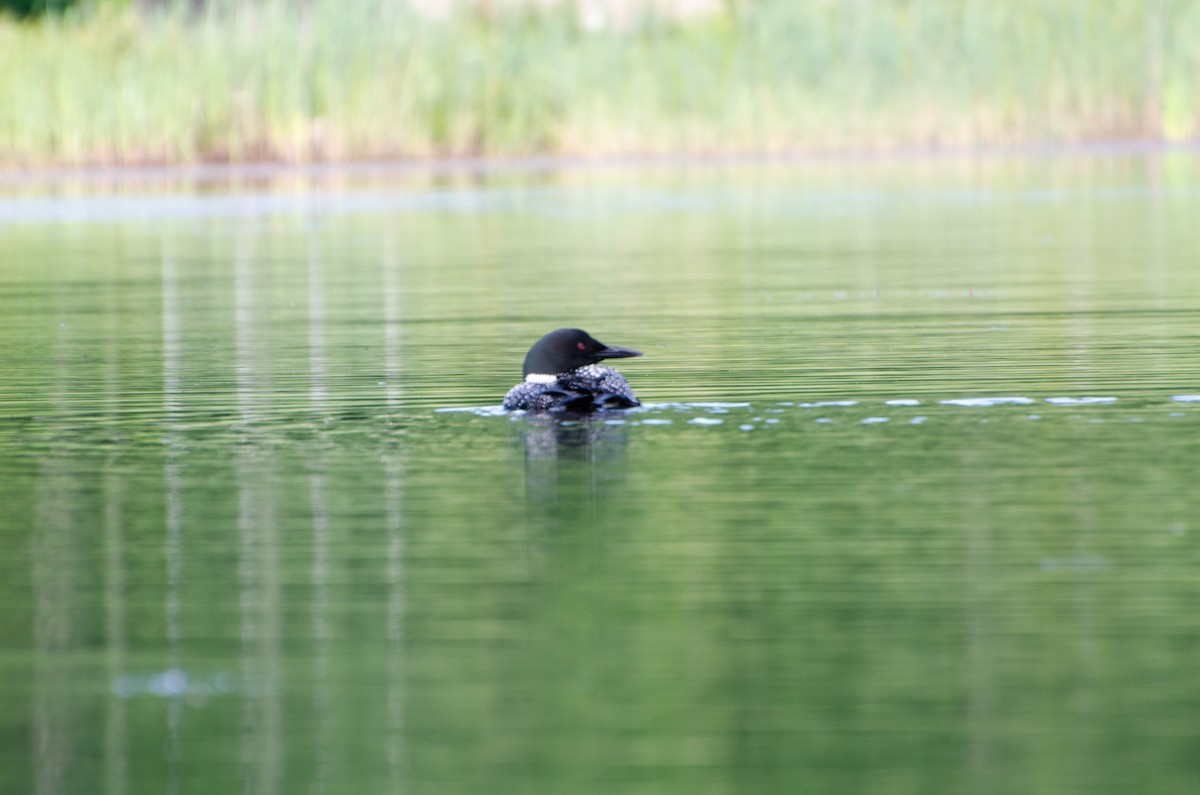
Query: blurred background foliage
{"x": 28, "y": 8}
{"x": 115, "y": 81}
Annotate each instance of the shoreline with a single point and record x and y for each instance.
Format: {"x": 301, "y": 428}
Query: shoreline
{"x": 483, "y": 166}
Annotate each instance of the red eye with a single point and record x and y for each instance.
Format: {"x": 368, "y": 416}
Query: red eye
{"x": 580, "y": 346}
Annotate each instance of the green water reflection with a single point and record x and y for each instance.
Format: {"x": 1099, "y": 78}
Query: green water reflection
{"x": 242, "y": 550}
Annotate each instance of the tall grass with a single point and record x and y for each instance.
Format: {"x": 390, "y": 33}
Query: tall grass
{"x": 332, "y": 80}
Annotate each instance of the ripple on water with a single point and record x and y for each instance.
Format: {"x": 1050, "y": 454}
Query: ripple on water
{"x": 479, "y": 411}
{"x": 1080, "y": 401}
{"x": 988, "y": 401}
{"x": 707, "y": 408}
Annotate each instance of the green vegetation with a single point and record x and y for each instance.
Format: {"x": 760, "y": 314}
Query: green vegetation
{"x": 373, "y": 78}
{"x": 28, "y": 8}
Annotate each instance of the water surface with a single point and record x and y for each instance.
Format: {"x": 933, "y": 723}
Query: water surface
{"x": 910, "y": 507}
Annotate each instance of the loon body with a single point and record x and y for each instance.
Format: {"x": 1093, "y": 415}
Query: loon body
{"x": 561, "y": 375}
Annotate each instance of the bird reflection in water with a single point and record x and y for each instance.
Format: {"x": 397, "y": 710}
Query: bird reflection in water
{"x": 573, "y": 459}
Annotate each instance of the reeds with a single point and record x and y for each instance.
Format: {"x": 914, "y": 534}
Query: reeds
{"x": 327, "y": 80}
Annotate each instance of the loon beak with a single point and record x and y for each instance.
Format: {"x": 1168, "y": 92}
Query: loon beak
{"x": 613, "y": 352}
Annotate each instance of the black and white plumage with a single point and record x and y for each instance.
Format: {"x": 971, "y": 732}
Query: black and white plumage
{"x": 561, "y": 375}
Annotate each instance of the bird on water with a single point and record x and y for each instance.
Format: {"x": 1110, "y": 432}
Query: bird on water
{"x": 561, "y": 374}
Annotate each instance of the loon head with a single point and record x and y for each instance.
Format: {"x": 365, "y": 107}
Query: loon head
{"x": 569, "y": 349}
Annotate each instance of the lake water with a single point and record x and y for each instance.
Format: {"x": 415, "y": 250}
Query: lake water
{"x": 911, "y": 505}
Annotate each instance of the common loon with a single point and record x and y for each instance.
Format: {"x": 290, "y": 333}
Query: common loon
{"x": 561, "y": 375}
